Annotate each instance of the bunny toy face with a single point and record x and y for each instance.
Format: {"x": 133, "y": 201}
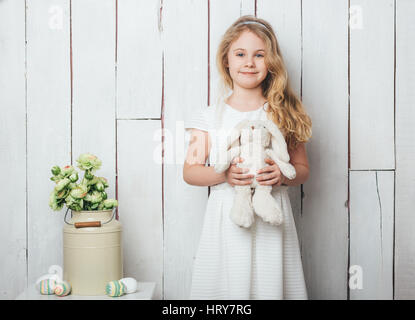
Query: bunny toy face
{"x": 259, "y": 132}
{"x": 253, "y": 131}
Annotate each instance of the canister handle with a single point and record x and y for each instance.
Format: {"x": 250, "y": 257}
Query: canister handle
{"x": 89, "y": 223}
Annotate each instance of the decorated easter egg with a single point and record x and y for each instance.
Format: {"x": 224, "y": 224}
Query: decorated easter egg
{"x": 62, "y": 289}
{"x": 47, "y": 286}
{"x": 130, "y": 284}
{"x": 115, "y": 288}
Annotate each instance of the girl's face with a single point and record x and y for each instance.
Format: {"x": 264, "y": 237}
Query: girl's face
{"x": 246, "y": 59}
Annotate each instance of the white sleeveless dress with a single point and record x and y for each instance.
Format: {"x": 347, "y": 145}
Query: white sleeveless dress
{"x": 263, "y": 262}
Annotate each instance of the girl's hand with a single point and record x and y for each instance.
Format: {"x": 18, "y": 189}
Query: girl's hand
{"x": 275, "y": 177}
{"x": 235, "y": 175}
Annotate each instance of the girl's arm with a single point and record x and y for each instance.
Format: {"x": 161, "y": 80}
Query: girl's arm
{"x": 298, "y": 158}
{"x": 194, "y": 170}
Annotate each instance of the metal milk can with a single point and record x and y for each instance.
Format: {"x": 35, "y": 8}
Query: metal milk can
{"x": 92, "y": 251}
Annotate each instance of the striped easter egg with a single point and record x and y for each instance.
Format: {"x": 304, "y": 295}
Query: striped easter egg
{"x": 62, "y": 289}
{"x": 47, "y": 286}
{"x": 115, "y": 288}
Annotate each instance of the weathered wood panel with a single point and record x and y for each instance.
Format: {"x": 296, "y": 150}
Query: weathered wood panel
{"x": 93, "y": 65}
{"x": 140, "y": 199}
{"x": 139, "y": 59}
{"x": 185, "y": 26}
{"x": 12, "y": 149}
{"x": 48, "y": 127}
{"x": 372, "y": 85}
{"x": 405, "y": 152}
{"x": 371, "y": 234}
{"x": 325, "y": 90}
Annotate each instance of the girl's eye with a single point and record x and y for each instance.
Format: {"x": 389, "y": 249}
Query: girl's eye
{"x": 241, "y": 54}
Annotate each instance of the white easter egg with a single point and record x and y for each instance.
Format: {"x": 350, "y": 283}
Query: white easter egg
{"x": 57, "y": 271}
{"x": 130, "y": 284}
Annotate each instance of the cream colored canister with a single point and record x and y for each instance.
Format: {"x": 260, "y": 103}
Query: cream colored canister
{"x": 92, "y": 251}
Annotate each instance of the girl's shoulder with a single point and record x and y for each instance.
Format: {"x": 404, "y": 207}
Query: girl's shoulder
{"x": 210, "y": 109}
{"x": 209, "y": 113}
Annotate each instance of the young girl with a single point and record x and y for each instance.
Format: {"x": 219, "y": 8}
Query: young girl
{"x": 264, "y": 261}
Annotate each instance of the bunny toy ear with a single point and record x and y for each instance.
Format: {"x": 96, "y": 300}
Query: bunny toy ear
{"x": 277, "y": 140}
{"x": 236, "y": 133}
{"x": 229, "y": 147}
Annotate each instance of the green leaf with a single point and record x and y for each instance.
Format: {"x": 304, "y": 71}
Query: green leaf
{"x": 55, "y": 170}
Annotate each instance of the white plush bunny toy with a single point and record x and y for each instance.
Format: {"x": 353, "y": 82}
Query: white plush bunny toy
{"x": 255, "y": 140}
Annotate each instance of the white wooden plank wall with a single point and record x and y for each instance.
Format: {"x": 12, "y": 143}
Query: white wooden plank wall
{"x": 371, "y": 148}
{"x": 371, "y": 234}
{"x": 140, "y": 197}
{"x": 13, "y": 196}
{"x": 324, "y": 217}
{"x": 372, "y": 85}
{"x": 93, "y": 77}
{"x": 405, "y": 151}
{"x": 48, "y": 126}
{"x": 185, "y": 65}
{"x": 139, "y": 59}
{"x": 117, "y": 78}
{"x": 139, "y": 98}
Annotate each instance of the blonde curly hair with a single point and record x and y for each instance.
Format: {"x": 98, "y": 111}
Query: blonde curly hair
{"x": 284, "y": 108}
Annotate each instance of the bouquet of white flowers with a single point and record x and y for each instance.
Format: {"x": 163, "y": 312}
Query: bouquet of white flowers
{"x": 88, "y": 195}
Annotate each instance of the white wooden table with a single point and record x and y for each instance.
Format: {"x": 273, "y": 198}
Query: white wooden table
{"x": 145, "y": 291}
